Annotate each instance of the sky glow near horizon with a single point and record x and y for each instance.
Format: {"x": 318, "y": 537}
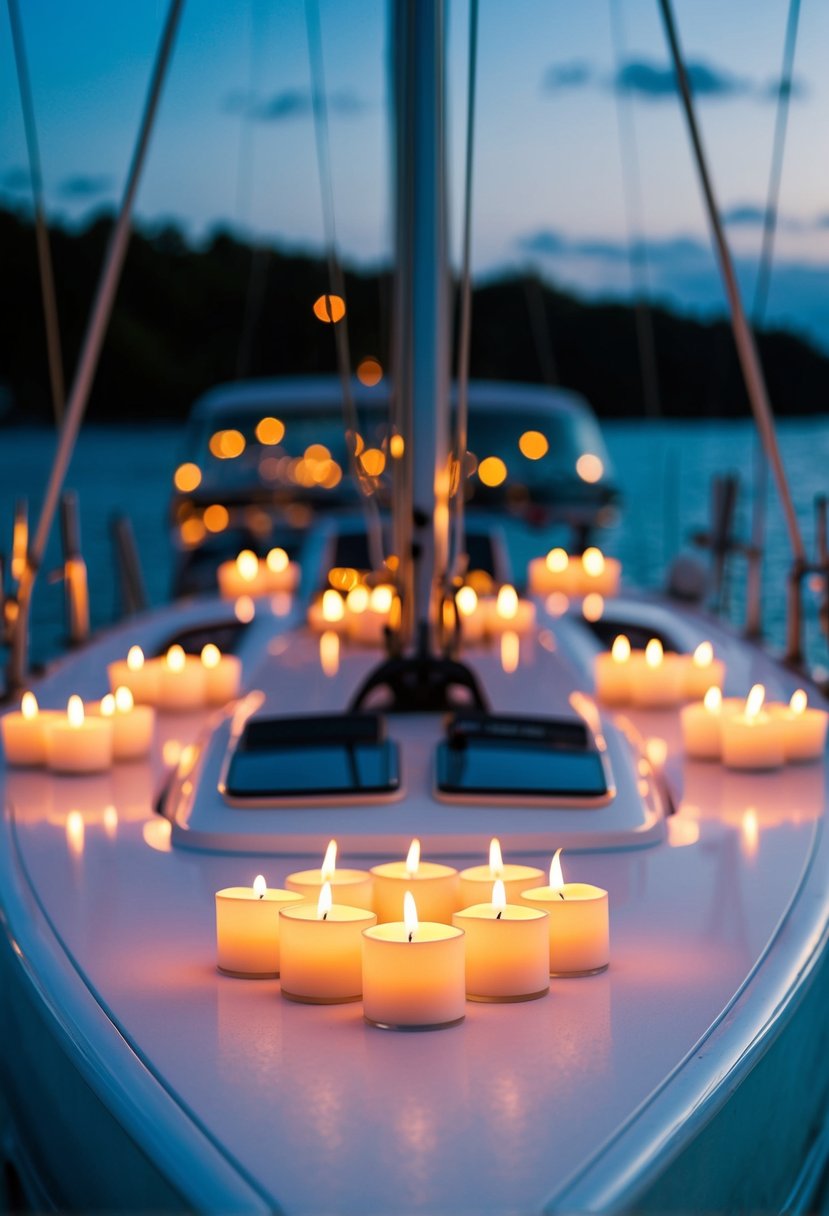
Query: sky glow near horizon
{"x": 234, "y": 142}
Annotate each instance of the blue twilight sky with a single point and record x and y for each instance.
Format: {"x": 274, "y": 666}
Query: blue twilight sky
{"x": 234, "y": 142}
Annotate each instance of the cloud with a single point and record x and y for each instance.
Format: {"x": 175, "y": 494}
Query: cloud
{"x": 572, "y": 75}
{"x": 745, "y": 215}
{"x": 292, "y": 103}
{"x": 85, "y": 185}
{"x": 665, "y": 250}
{"x": 657, "y": 81}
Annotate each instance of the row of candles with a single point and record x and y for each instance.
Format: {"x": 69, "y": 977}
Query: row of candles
{"x": 652, "y": 678}
{"x": 414, "y": 939}
{"x": 753, "y": 734}
{"x": 250, "y": 575}
{"x": 178, "y": 682}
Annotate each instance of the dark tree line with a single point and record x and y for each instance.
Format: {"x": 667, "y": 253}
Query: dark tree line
{"x": 187, "y": 318}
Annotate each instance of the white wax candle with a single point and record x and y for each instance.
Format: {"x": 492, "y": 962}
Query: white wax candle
{"x": 612, "y": 673}
{"x": 472, "y": 615}
{"x": 133, "y": 726}
{"x": 507, "y": 949}
{"x": 579, "y": 924}
{"x": 24, "y": 732}
{"x": 351, "y": 887}
{"x": 321, "y": 951}
{"x": 413, "y": 974}
{"x": 223, "y": 673}
{"x": 804, "y": 728}
{"x": 752, "y": 739}
{"x": 583, "y": 575}
{"x": 657, "y": 680}
{"x": 182, "y": 681}
{"x": 506, "y": 612}
{"x": 280, "y": 573}
{"x": 327, "y": 613}
{"x": 435, "y": 888}
{"x": 247, "y": 929}
{"x": 476, "y": 881}
{"x": 368, "y": 625}
{"x": 701, "y": 723}
{"x": 703, "y": 671}
{"x": 77, "y": 744}
{"x": 244, "y": 576}
{"x": 136, "y": 674}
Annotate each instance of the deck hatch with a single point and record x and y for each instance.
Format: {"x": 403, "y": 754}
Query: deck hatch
{"x": 313, "y": 755}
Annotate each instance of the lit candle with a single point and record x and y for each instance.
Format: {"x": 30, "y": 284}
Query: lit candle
{"x": 656, "y": 678}
{"x": 280, "y": 573}
{"x": 182, "y": 681}
{"x": 134, "y": 673}
{"x": 327, "y": 613}
{"x": 247, "y": 929}
{"x": 223, "y": 673}
{"x": 703, "y": 671}
{"x": 471, "y": 614}
{"x": 701, "y": 723}
{"x": 612, "y": 673}
{"x": 804, "y": 728}
{"x": 352, "y": 887}
{"x": 558, "y": 572}
{"x": 244, "y": 576}
{"x": 24, "y": 732}
{"x": 413, "y": 974}
{"x": 752, "y": 739}
{"x": 599, "y": 574}
{"x": 476, "y": 882}
{"x": 507, "y": 948}
{"x": 436, "y": 888}
{"x": 321, "y": 950}
{"x": 368, "y": 617}
{"x": 132, "y": 725}
{"x": 579, "y": 923}
{"x": 77, "y": 744}
{"x": 508, "y": 612}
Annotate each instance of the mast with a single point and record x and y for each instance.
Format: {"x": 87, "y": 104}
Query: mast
{"x": 421, "y": 336}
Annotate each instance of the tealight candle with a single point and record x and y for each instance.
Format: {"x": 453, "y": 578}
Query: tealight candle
{"x": 436, "y": 887}
{"x": 656, "y": 678}
{"x": 321, "y": 950}
{"x": 281, "y": 574}
{"x": 247, "y": 929}
{"x": 24, "y": 732}
{"x": 77, "y": 744}
{"x": 182, "y": 681}
{"x": 579, "y": 923}
{"x": 804, "y": 728}
{"x": 327, "y": 613}
{"x": 507, "y": 949}
{"x": 351, "y": 887}
{"x": 132, "y": 725}
{"x": 752, "y": 739}
{"x": 701, "y": 723}
{"x": 367, "y": 625}
{"x": 508, "y": 612}
{"x": 612, "y": 673}
{"x": 223, "y": 674}
{"x": 592, "y": 572}
{"x": 476, "y": 881}
{"x": 134, "y": 673}
{"x": 413, "y": 973}
{"x": 703, "y": 671}
{"x": 244, "y": 576}
{"x": 472, "y": 614}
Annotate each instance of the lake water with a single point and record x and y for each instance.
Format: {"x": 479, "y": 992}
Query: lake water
{"x": 664, "y": 470}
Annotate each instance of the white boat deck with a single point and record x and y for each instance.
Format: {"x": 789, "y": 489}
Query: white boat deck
{"x": 518, "y": 1108}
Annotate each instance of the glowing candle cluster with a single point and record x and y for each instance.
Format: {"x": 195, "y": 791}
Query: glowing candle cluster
{"x": 652, "y": 678}
{"x": 363, "y": 615}
{"x": 177, "y": 682}
{"x": 86, "y": 739}
{"x": 250, "y": 575}
{"x": 753, "y": 734}
{"x": 576, "y": 577}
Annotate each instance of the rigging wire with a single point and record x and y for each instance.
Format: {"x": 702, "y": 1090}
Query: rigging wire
{"x": 637, "y": 247}
{"x": 44, "y": 255}
{"x": 465, "y": 291}
{"x": 91, "y": 348}
{"x": 336, "y": 280}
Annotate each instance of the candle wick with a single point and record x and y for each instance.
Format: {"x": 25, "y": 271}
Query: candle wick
{"x": 498, "y": 917}
{"x": 262, "y": 895}
{"x": 325, "y": 916}
{"x": 561, "y": 895}
{"x": 411, "y": 935}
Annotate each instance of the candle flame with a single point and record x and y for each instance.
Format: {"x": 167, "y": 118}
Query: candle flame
{"x": 124, "y": 700}
{"x": 654, "y": 653}
{"x": 135, "y": 658}
{"x": 754, "y": 701}
{"x": 466, "y": 600}
{"x": 259, "y": 886}
{"x": 210, "y": 656}
{"x": 247, "y": 565}
{"x": 798, "y": 702}
{"x": 704, "y": 655}
{"x": 410, "y": 914}
{"x": 74, "y": 711}
{"x": 556, "y": 873}
{"x": 413, "y": 858}
{"x": 557, "y": 561}
{"x": 380, "y": 598}
{"x": 329, "y": 863}
{"x": 620, "y": 649}
{"x": 713, "y": 700}
{"x": 107, "y": 706}
{"x": 496, "y": 860}
{"x": 507, "y": 603}
{"x": 357, "y": 599}
{"x": 333, "y": 608}
{"x": 277, "y": 561}
{"x": 28, "y": 706}
{"x": 593, "y": 562}
{"x": 499, "y": 896}
{"x": 325, "y": 901}
{"x": 175, "y": 658}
